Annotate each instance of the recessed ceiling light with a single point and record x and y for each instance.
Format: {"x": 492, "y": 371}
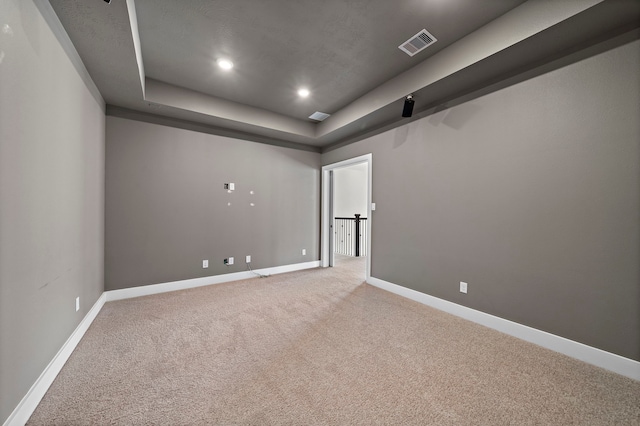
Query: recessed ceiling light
{"x": 225, "y": 64}
{"x": 303, "y": 93}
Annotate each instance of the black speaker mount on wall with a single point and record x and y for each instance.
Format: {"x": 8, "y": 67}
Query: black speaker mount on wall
{"x": 408, "y": 106}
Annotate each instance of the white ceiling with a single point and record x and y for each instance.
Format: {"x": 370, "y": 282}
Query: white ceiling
{"x": 155, "y": 59}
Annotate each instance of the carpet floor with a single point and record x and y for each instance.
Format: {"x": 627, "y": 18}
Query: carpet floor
{"x": 318, "y": 347}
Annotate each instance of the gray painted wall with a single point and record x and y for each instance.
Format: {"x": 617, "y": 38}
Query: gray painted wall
{"x": 51, "y": 198}
{"x": 531, "y": 194}
{"x": 167, "y": 210}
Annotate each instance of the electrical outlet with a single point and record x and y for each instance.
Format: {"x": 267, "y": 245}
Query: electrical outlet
{"x": 304, "y": 252}
{"x": 228, "y": 261}
{"x": 205, "y": 263}
{"x": 463, "y": 287}
{"x": 248, "y": 259}
{"x": 77, "y": 303}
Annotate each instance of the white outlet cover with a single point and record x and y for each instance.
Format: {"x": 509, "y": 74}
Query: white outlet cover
{"x": 232, "y": 186}
{"x": 77, "y": 304}
{"x": 248, "y": 259}
{"x": 205, "y": 263}
{"x": 230, "y": 262}
{"x": 304, "y": 252}
{"x": 373, "y": 206}
{"x": 463, "y": 287}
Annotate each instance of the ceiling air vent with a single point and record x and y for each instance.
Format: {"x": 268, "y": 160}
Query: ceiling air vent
{"x": 417, "y": 43}
{"x": 319, "y": 116}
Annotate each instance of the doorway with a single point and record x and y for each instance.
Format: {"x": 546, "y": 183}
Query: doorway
{"x": 328, "y": 257}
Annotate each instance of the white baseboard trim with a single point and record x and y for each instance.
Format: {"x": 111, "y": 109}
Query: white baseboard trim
{"x": 27, "y": 406}
{"x": 607, "y": 360}
{"x": 29, "y": 403}
{"x": 146, "y": 290}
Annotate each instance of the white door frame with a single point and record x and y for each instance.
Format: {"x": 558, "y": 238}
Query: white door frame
{"x": 326, "y": 244}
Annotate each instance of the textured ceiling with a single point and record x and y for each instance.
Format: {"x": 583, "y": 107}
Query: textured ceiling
{"x": 345, "y": 52}
{"x": 339, "y": 49}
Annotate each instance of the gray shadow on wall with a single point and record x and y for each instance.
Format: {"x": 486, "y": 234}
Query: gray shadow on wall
{"x": 29, "y": 28}
{"x": 436, "y": 119}
{"x": 302, "y": 157}
{"x": 400, "y": 136}
{"x": 457, "y": 117}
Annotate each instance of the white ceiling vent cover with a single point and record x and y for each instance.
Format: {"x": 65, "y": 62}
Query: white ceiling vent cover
{"x": 319, "y": 116}
{"x": 417, "y": 43}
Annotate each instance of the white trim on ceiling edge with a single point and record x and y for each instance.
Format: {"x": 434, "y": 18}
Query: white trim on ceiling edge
{"x": 29, "y": 403}
{"x": 603, "y": 359}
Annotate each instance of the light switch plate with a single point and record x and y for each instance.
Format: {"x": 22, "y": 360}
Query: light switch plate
{"x": 463, "y": 287}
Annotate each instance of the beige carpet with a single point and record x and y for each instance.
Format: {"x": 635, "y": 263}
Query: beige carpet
{"x": 318, "y": 347}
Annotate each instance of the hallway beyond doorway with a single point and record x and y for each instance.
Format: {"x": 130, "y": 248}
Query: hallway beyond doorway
{"x": 355, "y": 265}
